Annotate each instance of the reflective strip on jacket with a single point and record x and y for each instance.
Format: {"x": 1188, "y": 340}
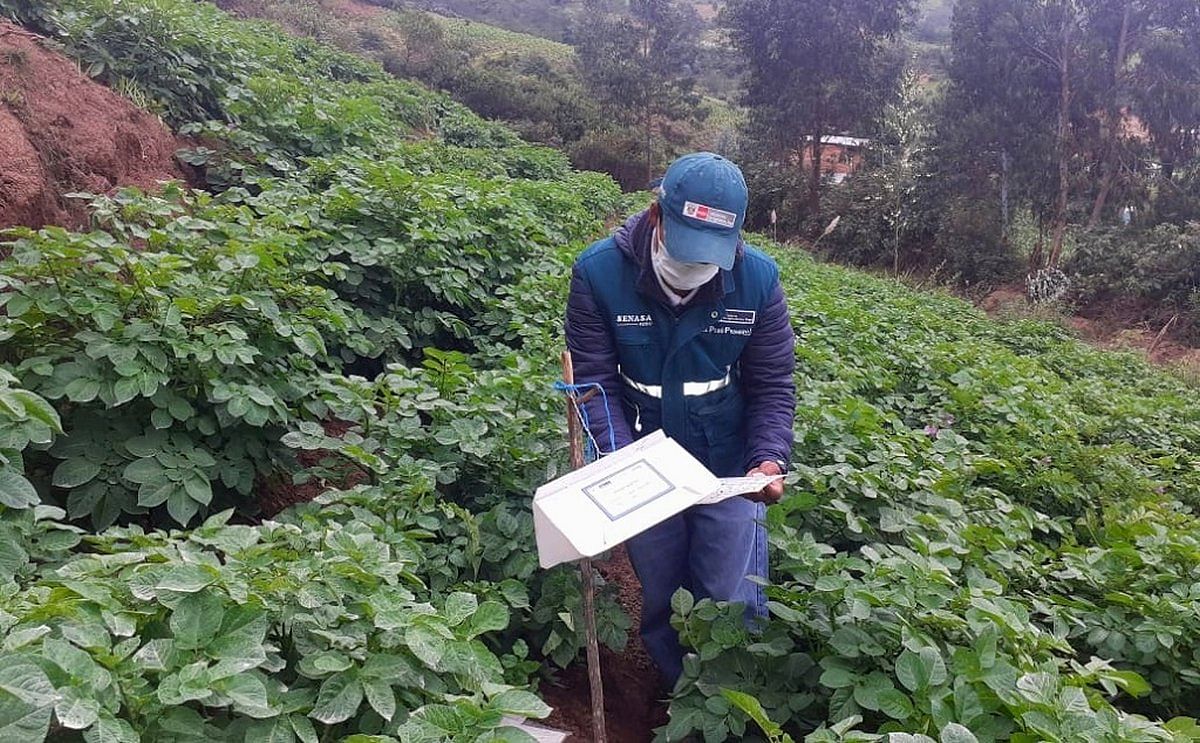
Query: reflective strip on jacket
{"x": 619, "y": 323}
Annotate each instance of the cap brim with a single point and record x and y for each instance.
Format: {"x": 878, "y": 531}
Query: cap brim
{"x": 697, "y": 245}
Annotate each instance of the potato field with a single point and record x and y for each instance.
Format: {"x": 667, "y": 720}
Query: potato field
{"x": 268, "y": 441}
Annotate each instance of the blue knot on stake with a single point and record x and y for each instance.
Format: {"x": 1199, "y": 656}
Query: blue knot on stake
{"x": 593, "y": 450}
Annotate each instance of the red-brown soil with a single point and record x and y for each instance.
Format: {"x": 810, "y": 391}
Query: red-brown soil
{"x": 633, "y": 703}
{"x": 61, "y": 132}
{"x": 278, "y": 492}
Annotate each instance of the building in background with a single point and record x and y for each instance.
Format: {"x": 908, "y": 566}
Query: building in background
{"x": 841, "y": 156}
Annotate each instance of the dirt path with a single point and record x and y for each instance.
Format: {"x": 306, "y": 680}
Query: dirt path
{"x": 632, "y": 701}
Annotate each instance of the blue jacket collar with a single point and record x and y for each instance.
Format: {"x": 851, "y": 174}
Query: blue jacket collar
{"x": 633, "y": 238}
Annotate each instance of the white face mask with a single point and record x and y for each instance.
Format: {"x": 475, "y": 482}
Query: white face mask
{"x": 677, "y": 274}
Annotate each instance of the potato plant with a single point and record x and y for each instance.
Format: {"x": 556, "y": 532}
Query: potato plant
{"x": 287, "y": 630}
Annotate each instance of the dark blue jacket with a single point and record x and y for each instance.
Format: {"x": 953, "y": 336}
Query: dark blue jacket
{"x": 620, "y": 323}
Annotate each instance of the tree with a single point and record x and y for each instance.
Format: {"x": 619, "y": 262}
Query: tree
{"x": 640, "y": 64}
{"x": 1019, "y": 107}
{"x": 1148, "y": 55}
{"x": 814, "y": 68}
{"x": 1164, "y": 85}
{"x": 1046, "y": 98}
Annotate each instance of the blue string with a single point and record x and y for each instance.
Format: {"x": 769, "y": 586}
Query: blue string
{"x": 575, "y": 389}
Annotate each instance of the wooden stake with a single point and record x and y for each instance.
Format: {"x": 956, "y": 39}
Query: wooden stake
{"x": 575, "y": 435}
{"x": 1158, "y": 338}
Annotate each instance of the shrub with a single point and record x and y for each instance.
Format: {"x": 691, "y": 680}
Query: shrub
{"x": 1158, "y": 265}
{"x": 968, "y": 241}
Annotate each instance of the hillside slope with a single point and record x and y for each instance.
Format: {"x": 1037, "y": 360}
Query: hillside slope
{"x": 60, "y": 132}
{"x": 991, "y": 532}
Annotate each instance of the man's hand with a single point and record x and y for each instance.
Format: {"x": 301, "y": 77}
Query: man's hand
{"x": 771, "y": 493}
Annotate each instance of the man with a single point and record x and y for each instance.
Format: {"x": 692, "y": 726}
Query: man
{"x": 674, "y": 316}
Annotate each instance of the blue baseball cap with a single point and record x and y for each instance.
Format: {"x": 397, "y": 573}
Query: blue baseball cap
{"x": 703, "y": 199}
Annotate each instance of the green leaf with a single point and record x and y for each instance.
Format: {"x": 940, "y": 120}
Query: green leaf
{"x": 27, "y": 700}
{"x": 954, "y": 732}
{"x": 156, "y": 655}
{"x": 12, "y": 559}
{"x": 243, "y": 632}
{"x": 15, "y": 490}
{"x": 75, "y": 662}
{"x": 273, "y": 730}
{"x": 38, "y": 409}
{"x": 198, "y": 489}
{"x": 144, "y": 470}
{"x": 303, "y": 728}
{"x": 76, "y": 709}
{"x": 838, "y": 678}
{"x": 895, "y": 704}
{"x": 161, "y": 419}
{"x": 426, "y": 645}
{"x": 492, "y": 616}
{"x": 109, "y": 729}
{"x": 1186, "y": 728}
{"x": 754, "y": 710}
{"x": 196, "y": 620}
{"x": 339, "y": 698}
{"x": 682, "y": 602}
{"x": 186, "y": 578}
{"x": 1130, "y": 682}
{"x": 459, "y": 606}
{"x": 919, "y": 671}
{"x": 520, "y": 703}
{"x": 152, "y": 495}
{"x": 82, "y": 389}
{"x": 248, "y": 692}
{"x": 71, "y": 473}
{"x": 328, "y": 661}
{"x": 380, "y": 696}
{"x": 1038, "y": 688}
{"x": 515, "y": 593}
{"x": 181, "y": 507}
{"x": 17, "y": 639}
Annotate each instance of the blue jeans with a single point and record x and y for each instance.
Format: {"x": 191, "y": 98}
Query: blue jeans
{"x": 708, "y": 550}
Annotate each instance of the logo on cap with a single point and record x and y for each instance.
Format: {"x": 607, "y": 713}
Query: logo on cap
{"x": 709, "y": 214}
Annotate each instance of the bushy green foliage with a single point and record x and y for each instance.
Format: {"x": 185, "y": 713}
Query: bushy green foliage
{"x": 178, "y": 344}
{"x": 531, "y": 83}
{"x": 25, "y": 418}
{"x": 990, "y": 527}
{"x": 190, "y": 60}
{"x": 1158, "y": 266}
{"x": 320, "y": 621}
{"x": 170, "y": 362}
{"x": 204, "y": 323}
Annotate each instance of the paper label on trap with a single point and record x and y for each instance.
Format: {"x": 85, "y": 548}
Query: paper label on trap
{"x": 620, "y": 493}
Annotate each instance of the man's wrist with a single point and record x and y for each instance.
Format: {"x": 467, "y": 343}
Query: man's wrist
{"x": 782, "y": 464}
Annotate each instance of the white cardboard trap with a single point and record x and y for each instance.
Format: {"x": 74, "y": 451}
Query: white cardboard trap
{"x": 619, "y": 496}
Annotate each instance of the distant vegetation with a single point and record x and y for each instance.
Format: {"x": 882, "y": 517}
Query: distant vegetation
{"x": 529, "y": 82}
{"x": 536, "y": 85}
